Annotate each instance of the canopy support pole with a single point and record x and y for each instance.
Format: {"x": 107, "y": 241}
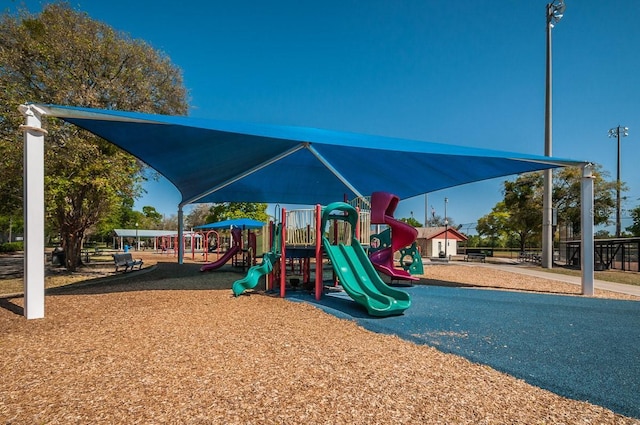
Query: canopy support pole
{"x": 33, "y": 212}
{"x": 180, "y": 235}
{"x": 586, "y": 231}
{"x": 333, "y": 170}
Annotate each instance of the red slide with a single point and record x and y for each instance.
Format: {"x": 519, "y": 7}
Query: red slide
{"x": 383, "y": 206}
{"x": 222, "y": 261}
{"x": 236, "y": 235}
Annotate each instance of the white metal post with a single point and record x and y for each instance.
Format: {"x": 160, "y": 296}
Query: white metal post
{"x": 446, "y": 229}
{"x": 33, "y": 212}
{"x": 180, "y": 235}
{"x": 586, "y": 223}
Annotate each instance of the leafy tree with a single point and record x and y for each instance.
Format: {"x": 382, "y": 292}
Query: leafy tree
{"x": 634, "y": 229}
{"x": 494, "y": 225}
{"x": 198, "y": 216}
{"x": 602, "y": 234}
{"x": 474, "y": 241}
{"x": 566, "y": 196}
{"x": 231, "y": 210}
{"x": 62, "y": 56}
{"x": 519, "y": 216}
{"x": 170, "y": 223}
{"x": 10, "y": 225}
{"x": 153, "y": 217}
{"x": 411, "y": 222}
{"x": 120, "y": 216}
{"x": 10, "y": 169}
{"x": 438, "y": 221}
{"x": 523, "y": 201}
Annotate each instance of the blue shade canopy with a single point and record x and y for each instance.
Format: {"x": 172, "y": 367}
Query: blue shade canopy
{"x": 243, "y": 223}
{"x": 218, "y": 161}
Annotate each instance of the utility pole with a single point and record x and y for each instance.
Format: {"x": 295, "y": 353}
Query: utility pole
{"x": 618, "y": 132}
{"x": 555, "y": 11}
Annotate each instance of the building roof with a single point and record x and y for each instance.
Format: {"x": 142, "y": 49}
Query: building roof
{"x": 429, "y": 233}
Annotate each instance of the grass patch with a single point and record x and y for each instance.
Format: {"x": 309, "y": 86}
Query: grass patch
{"x": 616, "y": 276}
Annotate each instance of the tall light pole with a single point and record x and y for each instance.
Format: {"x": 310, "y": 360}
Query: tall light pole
{"x": 618, "y": 132}
{"x": 446, "y": 228}
{"x": 426, "y": 211}
{"x": 555, "y": 11}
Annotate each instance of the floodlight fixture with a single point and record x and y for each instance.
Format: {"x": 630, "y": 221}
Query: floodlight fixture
{"x": 555, "y": 12}
{"x": 619, "y": 131}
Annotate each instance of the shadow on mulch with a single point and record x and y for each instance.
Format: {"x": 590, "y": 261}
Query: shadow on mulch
{"x": 8, "y": 305}
{"x": 159, "y": 277}
{"x": 162, "y": 276}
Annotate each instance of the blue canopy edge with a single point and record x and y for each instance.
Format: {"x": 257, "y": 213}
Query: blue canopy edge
{"x": 221, "y": 161}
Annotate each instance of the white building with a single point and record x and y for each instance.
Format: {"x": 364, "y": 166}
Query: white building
{"x": 433, "y": 240}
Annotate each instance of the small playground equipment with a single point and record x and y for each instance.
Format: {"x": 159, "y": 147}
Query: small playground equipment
{"x": 237, "y": 253}
{"x": 305, "y": 234}
{"x": 338, "y": 235}
{"x": 236, "y": 235}
{"x": 354, "y": 270}
{"x": 411, "y": 260}
{"x": 300, "y": 238}
{"x": 170, "y": 242}
{"x": 398, "y": 237}
{"x": 269, "y": 261}
{"x": 211, "y": 243}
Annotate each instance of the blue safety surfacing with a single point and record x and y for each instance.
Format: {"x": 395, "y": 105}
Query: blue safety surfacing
{"x": 581, "y": 348}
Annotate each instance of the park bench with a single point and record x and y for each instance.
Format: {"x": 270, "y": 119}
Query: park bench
{"x": 475, "y": 256}
{"x": 126, "y": 260}
{"x": 530, "y": 257}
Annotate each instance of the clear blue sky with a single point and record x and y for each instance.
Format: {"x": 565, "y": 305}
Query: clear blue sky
{"x": 465, "y": 72}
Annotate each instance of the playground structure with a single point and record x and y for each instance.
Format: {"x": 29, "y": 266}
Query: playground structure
{"x": 306, "y": 234}
{"x": 192, "y": 241}
{"x": 236, "y": 252}
{"x": 300, "y": 237}
{"x": 155, "y": 240}
{"x": 357, "y": 275}
{"x": 236, "y": 235}
{"x": 269, "y": 261}
{"x": 399, "y": 237}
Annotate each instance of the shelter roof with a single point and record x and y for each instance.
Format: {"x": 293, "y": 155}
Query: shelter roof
{"x": 219, "y": 161}
{"x": 245, "y": 223}
{"x": 142, "y": 233}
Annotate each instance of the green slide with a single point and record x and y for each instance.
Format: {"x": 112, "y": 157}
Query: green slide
{"x": 255, "y": 273}
{"x": 356, "y": 273}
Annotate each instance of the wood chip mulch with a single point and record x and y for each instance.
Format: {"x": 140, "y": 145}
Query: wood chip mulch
{"x": 171, "y": 345}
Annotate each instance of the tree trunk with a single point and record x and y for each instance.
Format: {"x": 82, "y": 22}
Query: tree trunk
{"x": 523, "y": 242}
{"x": 72, "y": 245}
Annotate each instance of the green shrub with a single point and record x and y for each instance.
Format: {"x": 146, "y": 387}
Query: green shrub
{"x": 11, "y": 247}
